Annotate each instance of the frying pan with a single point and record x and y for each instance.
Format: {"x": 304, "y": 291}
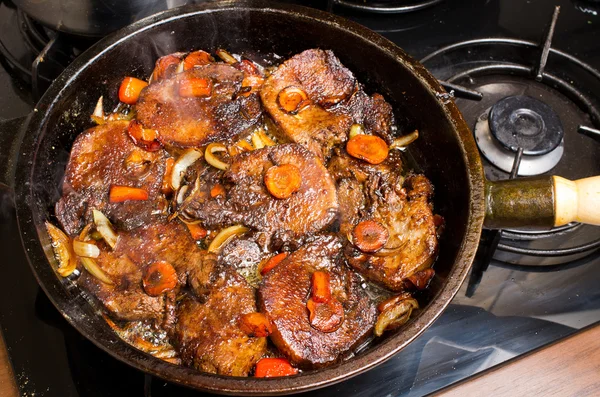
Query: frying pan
{"x": 445, "y": 152}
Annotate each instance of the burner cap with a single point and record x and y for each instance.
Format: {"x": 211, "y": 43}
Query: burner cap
{"x": 521, "y": 121}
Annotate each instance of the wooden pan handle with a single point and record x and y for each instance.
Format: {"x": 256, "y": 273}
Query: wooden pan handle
{"x": 576, "y": 201}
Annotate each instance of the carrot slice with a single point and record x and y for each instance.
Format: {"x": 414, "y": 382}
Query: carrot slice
{"x": 166, "y": 184}
{"x": 192, "y": 87}
{"x": 256, "y": 325}
{"x": 321, "y": 286}
{"x": 271, "y": 367}
{"x": 292, "y": 99}
{"x": 196, "y": 231}
{"x": 421, "y": 279}
{"x": 283, "y": 180}
{"x": 272, "y": 262}
{"x": 369, "y": 236}
{"x": 130, "y": 90}
{"x": 145, "y": 138}
{"x": 118, "y": 194}
{"x": 217, "y": 190}
{"x": 325, "y": 316}
{"x": 159, "y": 277}
{"x": 197, "y": 58}
{"x": 166, "y": 67}
{"x": 369, "y": 148}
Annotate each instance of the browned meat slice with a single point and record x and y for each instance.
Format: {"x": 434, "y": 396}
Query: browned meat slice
{"x": 134, "y": 251}
{"x": 336, "y": 101}
{"x": 283, "y": 297}
{"x": 310, "y": 209}
{"x": 207, "y": 333}
{"x": 101, "y": 157}
{"x": 405, "y": 210}
{"x": 194, "y": 121}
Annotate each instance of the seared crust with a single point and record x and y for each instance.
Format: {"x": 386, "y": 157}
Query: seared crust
{"x": 98, "y": 160}
{"x": 337, "y": 101}
{"x": 192, "y": 122}
{"x": 283, "y": 295}
{"x": 207, "y": 334}
{"x": 310, "y": 209}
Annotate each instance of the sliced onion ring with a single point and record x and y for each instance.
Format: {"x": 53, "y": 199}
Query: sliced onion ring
{"x": 105, "y": 229}
{"x": 257, "y": 142}
{"x": 85, "y": 249}
{"x": 225, "y": 56}
{"x": 98, "y": 116}
{"x": 61, "y": 244}
{"x": 356, "y": 129}
{"x": 405, "y": 140}
{"x": 92, "y": 267}
{"x": 225, "y": 236}
{"x": 395, "y": 316}
{"x": 181, "y": 165}
{"x": 211, "y": 159}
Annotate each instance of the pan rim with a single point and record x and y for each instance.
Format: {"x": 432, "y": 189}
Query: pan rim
{"x": 253, "y": 386}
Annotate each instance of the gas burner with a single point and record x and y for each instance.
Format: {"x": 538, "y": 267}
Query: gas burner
{"x": 497, "y": 153}
{"x": 538, "y": 109}
{"x": 387, "y": 7}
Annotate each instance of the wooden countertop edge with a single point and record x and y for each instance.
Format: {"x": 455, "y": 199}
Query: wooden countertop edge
{"x": 569, "y": 367}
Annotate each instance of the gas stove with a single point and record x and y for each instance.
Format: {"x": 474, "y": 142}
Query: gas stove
{"x": 524, "y": 74}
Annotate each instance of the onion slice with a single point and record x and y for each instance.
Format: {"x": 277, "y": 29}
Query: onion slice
{"x": 225, "y": 236}
{"x": 92, "y": 267}
{"x": 395, "y": 316}
{"x": 98, "y": 116}
{"x": 85, "y": 249}
{"x": 61, "y": 244}
{"x": 180, "y": 166}
{"x": 213, "y": 160}
{"x": 257, "y": 142}
{"x": 356, "y": 129}
{"x": 225, "y": 56}
{"x": 405, "y": 140}
{"x": 105, "y": 229}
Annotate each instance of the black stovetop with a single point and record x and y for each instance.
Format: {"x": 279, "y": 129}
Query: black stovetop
{"x": 518, "y": 306}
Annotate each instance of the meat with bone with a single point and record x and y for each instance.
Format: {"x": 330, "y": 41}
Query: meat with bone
{"x": 207, "y": 333}
{"x": 125, "y": 265}
{"x": 191, "y": 120}
{"x": 101, "y": 157}
{"x": 334, "y": 101}
{"x": 283, "y": 297}
{"x": 310, "y": 209}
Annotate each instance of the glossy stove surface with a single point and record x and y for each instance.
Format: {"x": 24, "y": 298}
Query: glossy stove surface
{"x": 514, "y": 310}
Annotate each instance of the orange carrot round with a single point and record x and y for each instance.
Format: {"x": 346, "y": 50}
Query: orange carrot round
{"x": 369, "y": 236}
{"x": 321, "y": 286}
{"x": 130, "y": 90}
{"x": 271, "y": 367}
{"x": 420, "y": 280}
{"x": 283, "y": 180}
{"x": 292, "y": 99}
{"x": 118, "y": 194}
{"x": 145, "y": 138}
{"x": 196, "y": 231}
{"x": 159, "y": 277}
{"x": 192, "y": 87}
{"x": 217, "y": 190}
{"x": 272, "y": 262}
{"x": 325, "y": 316}
{"x": 166, "y": 187}
{"x": 255, "y": 325}
{"x": 197, "y": 58}
{"x": 369, "y": 148}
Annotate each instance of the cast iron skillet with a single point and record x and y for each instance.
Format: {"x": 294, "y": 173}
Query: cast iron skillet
{"x": 445, "y": 152}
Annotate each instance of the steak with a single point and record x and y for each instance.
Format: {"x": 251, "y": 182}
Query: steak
{"x": 195, "y": 121}
{"x": 336, "y": 101}
{"x": 283, "y": 296}
{"x": 310, "y": 209}
{"x": 100, "y": 158}
{"x": 207, "y": 334}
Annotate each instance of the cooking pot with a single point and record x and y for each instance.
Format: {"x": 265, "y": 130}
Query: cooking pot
{"x": 445, "y": 152}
